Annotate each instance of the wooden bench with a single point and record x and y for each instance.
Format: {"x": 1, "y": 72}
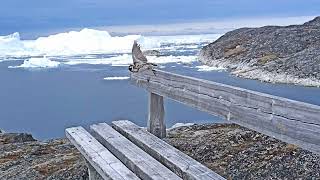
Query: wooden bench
{"x": 128, "y": 151}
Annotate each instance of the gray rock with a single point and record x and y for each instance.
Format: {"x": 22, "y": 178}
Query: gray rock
{"x": 7, "y": 138}
{"x": 240, "y": 153}
{"x": 289, "y": 54}
{"x": 55, "y": 159}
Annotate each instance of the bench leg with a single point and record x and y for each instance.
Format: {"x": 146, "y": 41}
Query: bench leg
{"x": 93, "y": 174}
{"x": 156, "y": 124}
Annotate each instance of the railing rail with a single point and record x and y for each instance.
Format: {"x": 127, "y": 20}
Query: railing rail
{"x": 291, "y": 121}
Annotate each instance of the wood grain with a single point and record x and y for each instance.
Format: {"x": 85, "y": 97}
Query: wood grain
{"x": 156, "y": 123}
{"x": 106, "y": 164}
{"x": 175, "y": 160}
{"x": 141, "y": 163}
{"x": 288, "y": 120}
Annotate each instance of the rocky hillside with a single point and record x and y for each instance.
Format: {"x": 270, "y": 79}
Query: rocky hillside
{"x": 289, "y": 54}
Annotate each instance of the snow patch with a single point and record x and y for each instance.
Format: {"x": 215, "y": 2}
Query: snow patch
{"x": 181, "y": 125}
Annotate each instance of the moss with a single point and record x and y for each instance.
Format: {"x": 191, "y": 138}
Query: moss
{"x": 267, "y": 58}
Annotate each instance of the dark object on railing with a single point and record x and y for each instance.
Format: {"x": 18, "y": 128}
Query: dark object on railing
{"x": 140, "y": 61}
{"x": 287, "y": 120}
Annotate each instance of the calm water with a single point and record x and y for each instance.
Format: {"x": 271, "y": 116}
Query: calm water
{"x": 45, "y": 102}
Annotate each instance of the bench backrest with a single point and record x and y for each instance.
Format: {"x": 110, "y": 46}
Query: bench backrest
{"x": 287, "y": 120}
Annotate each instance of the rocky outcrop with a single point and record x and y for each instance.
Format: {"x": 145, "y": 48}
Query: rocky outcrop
{"x": 232, "y": 151}
{"x": 289, "y": 54}
{"x": 21, "y": 157}
{"x": 8, "y": 138}
{"x": 239, "y": 153}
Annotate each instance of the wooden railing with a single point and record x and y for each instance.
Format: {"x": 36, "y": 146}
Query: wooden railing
{"x": 287, "y": 120}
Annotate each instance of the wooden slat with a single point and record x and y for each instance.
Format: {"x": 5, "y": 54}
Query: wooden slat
{"x": 156, "y": 123}
{"x": 106, "y": 164}
{"x": 178, "y": 162}
{"x": 288, "y": 120}
{"x": 142, "y": 164}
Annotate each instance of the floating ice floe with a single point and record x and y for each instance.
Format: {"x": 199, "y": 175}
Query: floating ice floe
{"x": 38, "y": 63}
{"x": 90, "y": 41}
{"x": 179, "y": 39}
{"x": 126, "y": 59}
{"x": 121, "y": 60}
{"x": 172, "y": 59}
{"x": 117, "y": 78}
{"x": 205, "y": 68}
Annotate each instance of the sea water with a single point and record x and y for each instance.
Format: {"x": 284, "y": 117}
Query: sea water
{"x": 79, "y": 78}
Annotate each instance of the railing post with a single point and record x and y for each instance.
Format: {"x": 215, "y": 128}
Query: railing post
{"x": 93, "y": 174}
{"x": 156, "y": 123}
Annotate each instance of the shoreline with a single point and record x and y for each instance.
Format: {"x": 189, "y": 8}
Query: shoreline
{"x": 257, "y": 73}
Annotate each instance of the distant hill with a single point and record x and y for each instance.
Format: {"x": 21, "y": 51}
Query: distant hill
{"x": 283, "y": 54}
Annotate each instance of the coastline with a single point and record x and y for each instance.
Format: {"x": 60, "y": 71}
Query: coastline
{"x": 258, "y": 73}
{"x": 232, "y": 151}
{"x": 276, "y": 54}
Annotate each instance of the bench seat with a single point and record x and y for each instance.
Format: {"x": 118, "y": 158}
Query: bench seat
{"x": 177, "y": 161}
{"x": 127, "y": 151}
{"x": 102, "y": 160}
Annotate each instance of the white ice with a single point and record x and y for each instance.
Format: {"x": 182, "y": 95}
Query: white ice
{"x": 38, "y": 63}
{"x": 90, "y": 41}
{"x": 117, "y": 78}
{"x": 205, "y": 68}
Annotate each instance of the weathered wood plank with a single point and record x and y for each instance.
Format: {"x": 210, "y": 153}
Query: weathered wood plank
{"x": 106, "y": 164}
{"x": 141, "y": 163}
{"x": 178, "y": 162}
{"x": 288, "y": 120}
{"x": 156, "y": 123}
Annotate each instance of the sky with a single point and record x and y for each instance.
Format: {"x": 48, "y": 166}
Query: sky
{"x": 31, "y": 16}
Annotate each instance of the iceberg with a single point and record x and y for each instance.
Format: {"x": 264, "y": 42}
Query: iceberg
{"x": 38, "y": 63}
{"x": 91, "y": 41}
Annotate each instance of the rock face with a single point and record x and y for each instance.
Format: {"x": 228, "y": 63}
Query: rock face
{"x": 289, "y": 54}
{"x": 239, "y": 153}
{"x": 8, "y": 138}
{"x": 21, "y": 157}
